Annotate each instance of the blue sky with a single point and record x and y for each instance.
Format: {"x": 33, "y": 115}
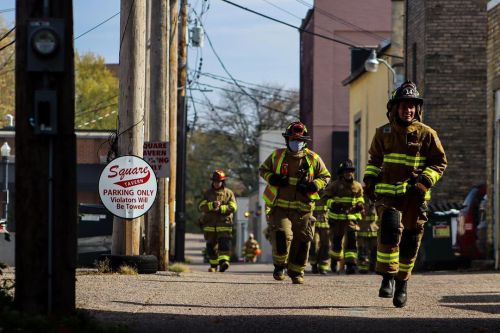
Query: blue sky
{"x": 253, "y": 49}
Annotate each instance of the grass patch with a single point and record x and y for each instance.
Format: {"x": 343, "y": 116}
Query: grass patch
{"x": 103, "y": 266}
{"x": 179, "y": 268}
{"x": 127, "y": 270}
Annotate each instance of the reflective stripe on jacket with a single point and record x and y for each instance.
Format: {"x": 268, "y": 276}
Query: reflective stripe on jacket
{"x": 224, "y": 215}
{"x": 304, "y": 166}
{"x": 344, "y": 197}
{"x": 397, "y": 153}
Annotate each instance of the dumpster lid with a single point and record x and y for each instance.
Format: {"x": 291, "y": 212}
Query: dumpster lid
{"x": 445, "y": 208}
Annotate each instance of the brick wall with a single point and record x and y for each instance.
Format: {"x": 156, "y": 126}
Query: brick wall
{"x": 493, "y": 83}
{"x": 451, "y": 74}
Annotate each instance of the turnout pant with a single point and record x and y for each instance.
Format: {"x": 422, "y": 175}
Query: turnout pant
{"x": 218, "y": 246}
{"x": 401, "y": 229}
{"x": 320, "y": 246}
{"x": 344, "y": 249}
{"x": 291, "y": 232}
{"x": 367, "y": 251}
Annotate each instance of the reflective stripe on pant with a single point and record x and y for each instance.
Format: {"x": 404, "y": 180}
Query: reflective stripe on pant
{"x": 344, "y": 248}
{"x": 397, "y": 253}
{"x": 218, "y": 246}
{"x": 320, "y": 245}
{"x": 291, "y": 232}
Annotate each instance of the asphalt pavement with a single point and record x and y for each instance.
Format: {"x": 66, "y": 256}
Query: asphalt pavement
{"x": 247, "y": 299}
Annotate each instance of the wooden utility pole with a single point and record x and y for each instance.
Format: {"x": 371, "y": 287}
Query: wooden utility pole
{"x": 160, "y": 16}
{"x": 180, "y": 213}
{"x": 126, "y": 233}
{"x": 174, "y": 12}
{"x": 45, "y": 206}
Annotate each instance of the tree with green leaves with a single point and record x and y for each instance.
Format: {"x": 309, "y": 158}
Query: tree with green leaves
{"x": 96, "y": 93}
{"x": 7, "y": 77}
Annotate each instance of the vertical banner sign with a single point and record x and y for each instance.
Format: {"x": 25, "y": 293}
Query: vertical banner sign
{"x": 157, "y": 154}
{"x": 128, "y": 187}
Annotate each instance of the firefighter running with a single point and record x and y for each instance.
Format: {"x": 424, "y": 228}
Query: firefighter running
{"x": 345, "y": 205}
{"x": 406, "y": 160}
{"x": 218, "y": 205}
{"x": 252, "y": 249}
{"x": 294, "y": 175}
{"x": 320, "y": 246}
{"x": 367, "y": 238}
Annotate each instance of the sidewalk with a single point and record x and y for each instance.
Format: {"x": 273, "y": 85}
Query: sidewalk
{"x": 247, "y": 299}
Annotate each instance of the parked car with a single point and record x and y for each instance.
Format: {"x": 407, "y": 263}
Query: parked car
{"x": 471, "y": 225}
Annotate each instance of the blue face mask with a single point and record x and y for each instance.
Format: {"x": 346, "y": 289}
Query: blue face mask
{"x": 296, "y": 146}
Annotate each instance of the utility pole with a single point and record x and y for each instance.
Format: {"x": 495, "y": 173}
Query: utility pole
{"x": 45, "y": 207}
{"x": 180, "y": 212}
{"x": 157, "y": 237}
{"x": 127, "y": 233}
{"x": 174, "y": 11}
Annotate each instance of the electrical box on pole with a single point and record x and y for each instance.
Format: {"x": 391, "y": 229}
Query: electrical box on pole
{"x": 45, "y": 45}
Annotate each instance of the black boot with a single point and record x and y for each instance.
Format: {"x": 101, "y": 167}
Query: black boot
{"x": 279, "y": 273}
{"x": 350, "y": 268}
{"x": 400, "y": 294}
{"x": 224, "y": 265}
{"x": 387, "y": 287}
{"x": 314, "y": 268}
{"x": 333, "y": 266}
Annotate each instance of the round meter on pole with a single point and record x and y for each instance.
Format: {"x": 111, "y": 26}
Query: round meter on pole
{"x": 128, "y": 187}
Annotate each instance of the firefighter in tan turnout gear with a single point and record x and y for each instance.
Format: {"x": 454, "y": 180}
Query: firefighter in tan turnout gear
{"x": 367, "y": 238}
{"x": 294, "y": 175}
{"x": 345, "y": 205}
{"x": 319, "y": 253}
{"x": 406, "y": 160}
{"x": 218, "y": 205}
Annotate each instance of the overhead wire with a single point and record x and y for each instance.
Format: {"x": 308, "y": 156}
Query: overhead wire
{"x": 336, "y": 40}
{"x": 341, "y": 20}
{"x": 233, "y": 79}
{"x": 97, "y": 26}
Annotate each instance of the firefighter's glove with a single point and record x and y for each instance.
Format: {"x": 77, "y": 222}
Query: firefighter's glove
{"x": 359, "y": 208}
{"x": 278, "y": 180}
{"x": 305, "y": 188}
{"x": 421, "y": 187}
{"x": 369, "y": 188}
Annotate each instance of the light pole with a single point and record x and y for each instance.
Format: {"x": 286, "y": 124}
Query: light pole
{"x": 371, "y": 65}
{"x": 5, "y": 152}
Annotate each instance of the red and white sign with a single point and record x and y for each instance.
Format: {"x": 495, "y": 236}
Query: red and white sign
{"x": 157, "y": 154}
{"x": 128, "y": 187}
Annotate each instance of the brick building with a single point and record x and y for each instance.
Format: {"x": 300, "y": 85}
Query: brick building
{"x": 92, "y": 149}
{"x": 446, "y": 57}
{"x": 493, "y": 130}
{"x": 324, "y": 100}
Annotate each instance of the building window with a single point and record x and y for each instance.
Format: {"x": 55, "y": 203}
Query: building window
{"x": 357, "y": 147}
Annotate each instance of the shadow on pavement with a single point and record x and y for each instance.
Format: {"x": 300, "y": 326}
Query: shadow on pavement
{"x": 154, "y": 322}
{"x": 214, "y": 282}
{"x": 483, "y": 302}
{"x": 310, "y": 307}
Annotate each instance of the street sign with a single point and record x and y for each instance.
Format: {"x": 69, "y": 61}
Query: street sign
{"x": 157, "y": 154}
{"x": 127, "y": 187}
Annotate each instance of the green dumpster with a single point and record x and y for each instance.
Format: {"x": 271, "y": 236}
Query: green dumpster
{"x": 436, "y": 251}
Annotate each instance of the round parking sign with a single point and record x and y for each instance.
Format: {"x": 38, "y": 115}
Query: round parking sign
{"x": 128, "y": 187}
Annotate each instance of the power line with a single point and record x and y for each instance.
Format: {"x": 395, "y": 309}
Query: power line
{"x": 341, "y": 20}
{"x": 232, "y": 78}
{"x": 7, "y": 45}
{"x": 277, "y": 97}
{"x": 302, "y": 29}
{"x": 97, "y": 26}
{"x": 7, "y": 33}
{"x": 228, "y": 80}
{"x": 282, "y": 9}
